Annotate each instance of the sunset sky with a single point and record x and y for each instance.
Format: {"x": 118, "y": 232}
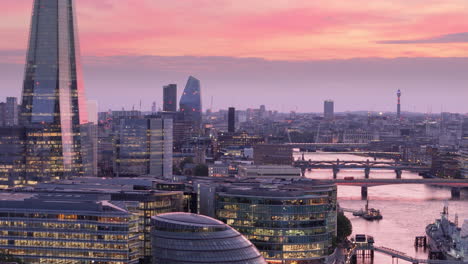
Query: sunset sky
{"x": 356, "y": 52}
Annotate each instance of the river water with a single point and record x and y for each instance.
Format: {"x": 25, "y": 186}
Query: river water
{"x": 406, "y": 209}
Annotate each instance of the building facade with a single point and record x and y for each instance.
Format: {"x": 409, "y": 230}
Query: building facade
{"x": 273, "y": 154}
{"x": 180, "y": 238}
{"x": 9, "y": 112}
{"x": 170, "y": 98}
{"x": 143, "y": 146}
{"x": 231, "y": 120}
{"x": 75, "y": 230}
{"x": 190, "y": 104}
{"x": 53, "y": 104}
{"x": 294, "y": 225}
{"x": 329, "y": 110}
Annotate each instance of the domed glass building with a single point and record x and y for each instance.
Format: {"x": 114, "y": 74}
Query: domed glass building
{"x": 189, "y": 238}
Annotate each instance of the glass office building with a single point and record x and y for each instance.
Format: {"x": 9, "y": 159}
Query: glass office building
{"x": 170, "y": 98}
{"x": 71, "y": 229}
{"x": 53, "y": 104}
{"x": 143, "y": 146}
{"x": 180, "y": 238}
{"x": 190, "y": 103}
{"x": 289, "y": 224}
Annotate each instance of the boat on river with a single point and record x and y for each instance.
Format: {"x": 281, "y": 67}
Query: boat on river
{"x": 448, "y": 240}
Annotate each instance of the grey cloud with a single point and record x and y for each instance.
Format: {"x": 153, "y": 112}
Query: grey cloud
{"x": 461, "y": 37}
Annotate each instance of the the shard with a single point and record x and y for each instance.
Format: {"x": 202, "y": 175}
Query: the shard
{"x": 190, "y": 103}
{"x": 53, "y": 104}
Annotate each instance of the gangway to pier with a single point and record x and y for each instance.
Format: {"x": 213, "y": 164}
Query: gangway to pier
{"x": 399, "y": 255}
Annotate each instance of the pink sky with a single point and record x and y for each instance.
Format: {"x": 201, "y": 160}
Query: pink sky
{"x": 357, "y": 52}
{"x": 270, "y": 29}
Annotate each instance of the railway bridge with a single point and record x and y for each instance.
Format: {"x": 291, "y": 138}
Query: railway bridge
{"x": 366, "y": 165}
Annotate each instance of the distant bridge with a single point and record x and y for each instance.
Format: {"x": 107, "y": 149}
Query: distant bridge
{"x": 367, "y": 165}
{"x": 377, "y": 182}
{"x": 455, "y": 185}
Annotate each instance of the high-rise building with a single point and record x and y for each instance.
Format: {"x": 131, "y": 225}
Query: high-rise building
{"x": 11, "y": 156}
{"x": 11, "y": 111}
{"x": 53, "y": 104}
{"x": 170, "y": 98}
{"x": 89, "y": 149}
{"x": 232, "y": 120}
{"x": 329, "y": 110}
{"x": 398, "y": 104}
{"x": 143, "y": 146}
{"x": 2, "y": 114}
{"x": 190, "y": 103}
{"x": 180, "y": 238}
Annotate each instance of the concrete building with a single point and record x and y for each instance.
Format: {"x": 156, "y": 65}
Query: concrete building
{"x": 329, "y": 110}
{"x": 268, "y": 171}
{"x": 273, "y": 154}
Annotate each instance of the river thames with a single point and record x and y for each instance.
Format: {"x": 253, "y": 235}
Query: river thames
{"x": 406, "y": 209}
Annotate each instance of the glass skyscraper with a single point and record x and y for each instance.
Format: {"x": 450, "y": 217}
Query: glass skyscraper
{"x": 53, "y": 104}
{"x": 190, "y": 103}
{"x": 170, "y": 98}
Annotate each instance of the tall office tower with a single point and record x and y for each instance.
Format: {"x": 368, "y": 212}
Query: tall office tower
{"x": 2, "y": 114}
{"x": 11, "y": 111}
{"x": 170, "y": 98}
{"x": 232, "y": 120}
{"x": 53, "y": 103}
{"x": 190, "y": 104}
{"x": 143, "y": 146}
{"x": 329, "y": 110}
{"x": 398, "y": 105}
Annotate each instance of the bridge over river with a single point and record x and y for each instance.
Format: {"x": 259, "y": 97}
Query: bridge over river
{"x": 367, "y": 165}
{"x": 455, "y": 184}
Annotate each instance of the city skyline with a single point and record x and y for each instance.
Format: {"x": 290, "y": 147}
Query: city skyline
{"x": 358, "y": 58}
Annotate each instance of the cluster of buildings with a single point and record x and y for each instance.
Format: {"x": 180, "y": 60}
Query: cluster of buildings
{"x": 54, "y": 208}
{"x": 118, "y": 220}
